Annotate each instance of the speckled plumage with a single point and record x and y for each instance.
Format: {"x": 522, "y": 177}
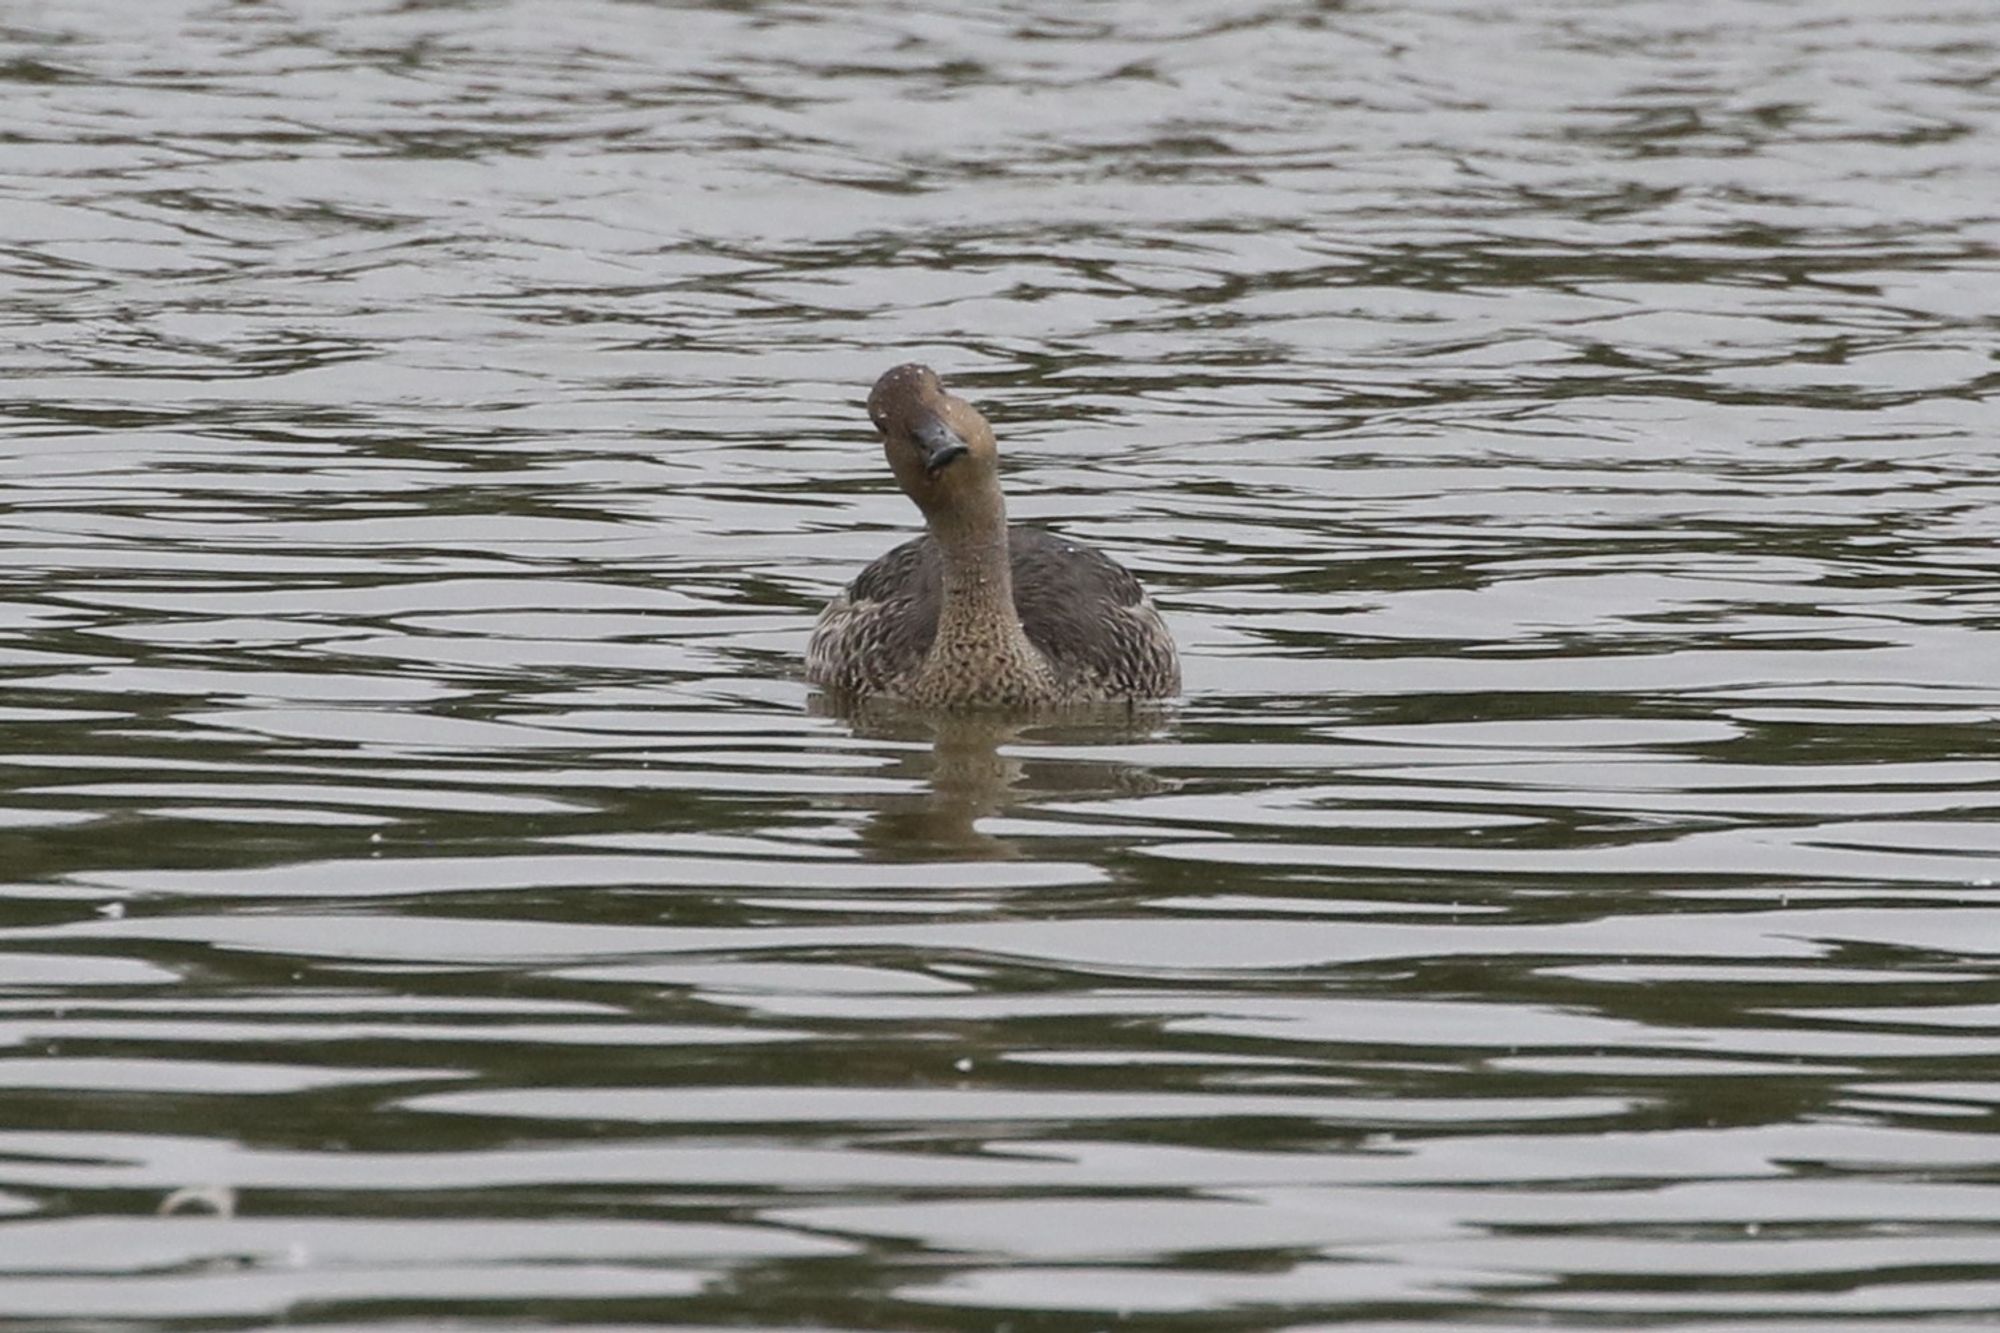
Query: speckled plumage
{"x": 963, "y": 617}
{"x": 1086, "y": 616}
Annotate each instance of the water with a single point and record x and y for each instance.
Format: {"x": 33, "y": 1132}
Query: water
{"x": 1561, "y": 435}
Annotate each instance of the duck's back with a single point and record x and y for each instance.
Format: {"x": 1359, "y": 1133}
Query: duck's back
{"x": 1082, "y": 610}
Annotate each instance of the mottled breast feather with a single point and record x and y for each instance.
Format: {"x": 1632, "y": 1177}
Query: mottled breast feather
{"x": 1085, "y": 614}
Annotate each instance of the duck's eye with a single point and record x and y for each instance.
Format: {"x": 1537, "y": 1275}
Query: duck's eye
{"x": 881, "y": 421}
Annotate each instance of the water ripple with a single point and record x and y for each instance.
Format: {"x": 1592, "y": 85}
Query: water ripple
{"x": 1559, "y": 437}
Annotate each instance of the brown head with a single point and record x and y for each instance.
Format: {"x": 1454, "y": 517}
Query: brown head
{"x": 940, "y": 448}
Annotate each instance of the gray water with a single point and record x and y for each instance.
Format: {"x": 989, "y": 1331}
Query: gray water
{"x": 1562, "y": 436}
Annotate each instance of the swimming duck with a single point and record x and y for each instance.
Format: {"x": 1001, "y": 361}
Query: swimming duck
{"x": 975, "y": 613}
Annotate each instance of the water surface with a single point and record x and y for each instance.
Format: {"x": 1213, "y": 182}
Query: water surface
{"x": 1561, "y": 435}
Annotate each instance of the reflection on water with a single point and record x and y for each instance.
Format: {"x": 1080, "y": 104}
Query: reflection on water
{"x": 967, "y": 772}
{"x": 1559, "y": 435}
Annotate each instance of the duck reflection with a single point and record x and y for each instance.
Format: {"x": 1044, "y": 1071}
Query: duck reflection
{"x": 976, "y": 766}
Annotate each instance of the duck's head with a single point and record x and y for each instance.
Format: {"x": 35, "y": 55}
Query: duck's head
{"x": 940, "y": 448}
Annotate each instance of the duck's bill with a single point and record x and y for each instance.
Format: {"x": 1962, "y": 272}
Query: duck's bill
{"x": 939, "y": 444}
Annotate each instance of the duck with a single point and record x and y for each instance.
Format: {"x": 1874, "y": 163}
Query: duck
{"x": 977, "y": 613}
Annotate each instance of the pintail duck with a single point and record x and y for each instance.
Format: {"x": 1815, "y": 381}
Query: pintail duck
{"x": 975, "y": 613}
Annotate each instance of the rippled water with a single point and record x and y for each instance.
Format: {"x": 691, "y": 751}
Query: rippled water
{"x": 1561, "y": 434}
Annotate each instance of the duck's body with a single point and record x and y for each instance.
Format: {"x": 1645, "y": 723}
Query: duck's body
{"x": 1088, "y": 620}
{"x": 977, "y": 614}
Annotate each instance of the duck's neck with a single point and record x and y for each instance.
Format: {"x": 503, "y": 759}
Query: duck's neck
{"x": 981, "y": 653}
{"x": 978, "y": 570}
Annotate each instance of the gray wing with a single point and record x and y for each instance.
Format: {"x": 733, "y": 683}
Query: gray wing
{"x": 881, "y": 627}
{"x": 1090, "y": 617}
